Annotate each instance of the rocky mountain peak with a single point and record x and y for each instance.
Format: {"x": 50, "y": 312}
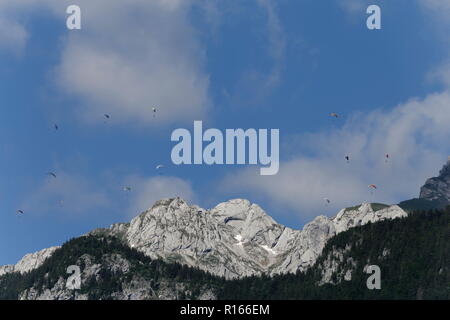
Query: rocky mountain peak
{"x": 438, "y": 188}
{"x": 169, "y": 205}
{"x": 236, "y": 238}
{"x": 29, "y": 262}
{"x": 445, "y": 171}
{"x": 243, "y": 216}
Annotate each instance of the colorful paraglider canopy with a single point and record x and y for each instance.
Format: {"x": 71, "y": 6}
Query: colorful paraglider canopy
{"x": 372, "y": 186}
{"x": 333, "y": 114}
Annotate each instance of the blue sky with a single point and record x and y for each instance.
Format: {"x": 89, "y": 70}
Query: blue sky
{"x": 233, "y": 64}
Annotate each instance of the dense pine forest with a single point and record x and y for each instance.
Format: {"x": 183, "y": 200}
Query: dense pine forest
{"x": 47, "y": 275}
{"x": 417, "y": 266}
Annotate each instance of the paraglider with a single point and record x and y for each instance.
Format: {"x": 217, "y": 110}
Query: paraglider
{"x": 19, "y": 211}
{"x": 372, "y": 188}
{"x": 127, "y": 189}
{"x": 107, "y": 117}
{"x": 159, "y": 166}
{"x": 335, "y": 115}
{"x": 51, "y": 174}
{"x": 56, "y": 127}
{"x": 387, "y": 157}
{"x": 327, "y": 200}
{"x": 154, "y": 111}
{"x": 347, "y": 158}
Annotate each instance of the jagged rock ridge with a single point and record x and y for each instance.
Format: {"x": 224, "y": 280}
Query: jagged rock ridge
{"x": 236, "y": 238}
{"x": 29, "y": 262}
{"x": 438, "y": 188}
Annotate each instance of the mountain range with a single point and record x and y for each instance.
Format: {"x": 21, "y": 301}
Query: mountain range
{"x": 232, "y": 241}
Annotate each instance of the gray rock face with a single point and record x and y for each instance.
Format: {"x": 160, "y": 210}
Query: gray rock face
{"x": 438, "y": 188}
{"x": 234, "y": 239}
{"x": 308, "y": 243}
{"x": 330, "y": 268}
{"x": 6, "y": 269}
{"x": 136, "y": 288}
{"x": 57, "y": 292}
{"x": 237, "y": 238}
{"x": 29, "y": 262}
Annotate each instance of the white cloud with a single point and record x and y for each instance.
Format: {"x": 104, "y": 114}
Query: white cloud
{"x": 146, "y": 191}
{"x": 128, "y": 57}
{"x": 354, "y": 6}
{"x": 441, "y": 74}
{"x": 415, "y": 134}
{"x": 133, "y": 56}
{"x": 13, "y": 33}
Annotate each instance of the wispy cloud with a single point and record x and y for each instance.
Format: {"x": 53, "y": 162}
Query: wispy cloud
{"x": 255, "y": 84}
{"x": 415, "y": 135}
{"x": 276, "y": 42}
{"x": 438, "y": 11}
{"x": 125, "y": 63}
{"x": 438, "y": 7}
{"x": 441, "y": 74}
{"x": 353, "y": 6}
{"x": 129, "y": 57}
